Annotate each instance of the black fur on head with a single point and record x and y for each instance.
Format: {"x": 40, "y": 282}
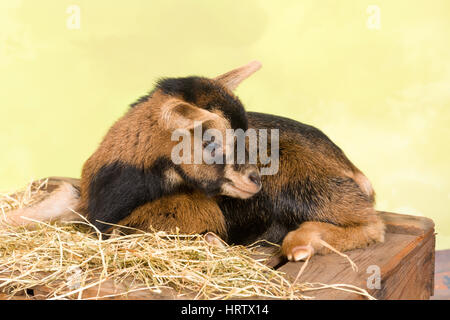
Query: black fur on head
{"x": 203, "y": 93}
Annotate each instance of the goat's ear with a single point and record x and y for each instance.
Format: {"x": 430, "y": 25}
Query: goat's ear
{"x": 233, "y": 78}
{"x": 177, "y": 114}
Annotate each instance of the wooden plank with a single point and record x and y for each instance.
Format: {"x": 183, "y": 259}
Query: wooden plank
{"x": 269, "y": 256}
{"x": 412, "y": 276}
{"x": 108, "y": 290}
{"x": 406, "y": 224}
{"x": 405, "y": 261}
{"x": 54, "y": 182}
{"x": 57, "y": 180}
{"x": 333, "y": 269}
{"x": 4, "y": 296}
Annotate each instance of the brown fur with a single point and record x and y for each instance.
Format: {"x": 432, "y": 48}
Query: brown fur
{"x": 191, "y": 213}
{"x": 345, "y": 217}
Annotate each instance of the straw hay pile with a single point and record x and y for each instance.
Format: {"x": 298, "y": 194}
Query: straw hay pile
{"x": 66, "y": 262}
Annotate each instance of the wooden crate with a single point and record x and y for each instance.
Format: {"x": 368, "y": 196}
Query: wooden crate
{"x": 405, "y": 262}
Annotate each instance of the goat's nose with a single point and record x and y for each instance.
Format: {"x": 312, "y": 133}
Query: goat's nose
{"x": 255, "y": 178}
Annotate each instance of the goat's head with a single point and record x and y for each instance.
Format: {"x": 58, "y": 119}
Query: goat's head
{"x": 200, "y": 116}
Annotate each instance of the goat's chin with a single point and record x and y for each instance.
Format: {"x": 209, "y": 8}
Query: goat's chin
{"x": 241, "y": 192}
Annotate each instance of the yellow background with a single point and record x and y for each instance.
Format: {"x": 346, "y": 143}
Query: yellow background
{"x": 382, "y": 95}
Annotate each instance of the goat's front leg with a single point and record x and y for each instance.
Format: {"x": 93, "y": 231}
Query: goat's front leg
{"x": 190, "y": 213}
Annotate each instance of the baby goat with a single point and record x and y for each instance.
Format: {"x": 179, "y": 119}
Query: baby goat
{"x": 317, "y": 194}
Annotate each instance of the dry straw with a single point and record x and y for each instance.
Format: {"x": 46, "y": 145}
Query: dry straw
{"x": 72, "y": 262}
